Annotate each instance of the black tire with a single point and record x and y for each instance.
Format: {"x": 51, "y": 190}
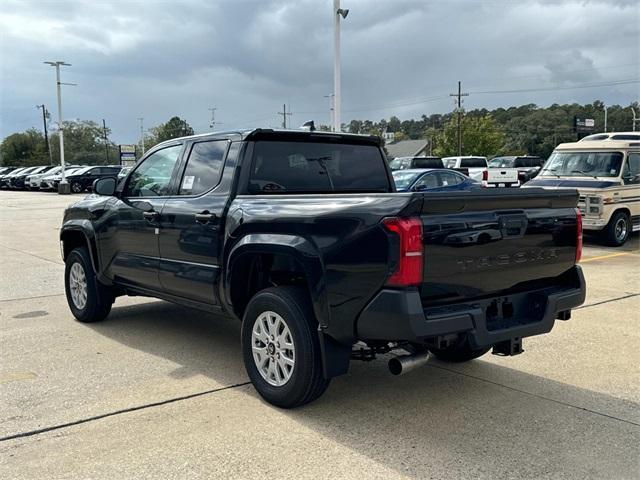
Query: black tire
{"x": 618, "y": 229}
{"x": 76, "y": 187}
{"x": 461, "y": 352}
{"x": 306, "y": 382}
{"x": 99, "y": 298}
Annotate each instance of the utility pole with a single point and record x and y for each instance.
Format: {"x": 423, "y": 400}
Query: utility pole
{"x": 106, "y": 142}
{"x": 634, "y": 118}
{"x": 605, "y": 119}
{"x": 46, "y": 134}
{"x": 459, "y": 96}
{"x": 337, "y": 13}
{"x": 142, "y": 133}
{"x": 213, "y": 123}
{"x": 63, "y": 187}
{"x": 284, "y": 114}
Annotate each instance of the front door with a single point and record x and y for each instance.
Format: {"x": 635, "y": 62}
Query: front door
{"x": 130, "y": 237}
{"x": 190, "y": 225}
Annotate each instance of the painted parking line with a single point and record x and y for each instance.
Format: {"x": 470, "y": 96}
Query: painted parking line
{"x": 602, "y": 257}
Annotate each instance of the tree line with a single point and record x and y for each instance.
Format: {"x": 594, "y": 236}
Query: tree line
{"x": 85, "y": 143}
{"x": 526, "y": 129}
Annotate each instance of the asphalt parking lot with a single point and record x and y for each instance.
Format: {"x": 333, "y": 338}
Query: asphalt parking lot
{"x": 159, "y": 391}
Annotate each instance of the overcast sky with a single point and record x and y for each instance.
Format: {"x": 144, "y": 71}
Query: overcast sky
{"x": 159, "y": 59}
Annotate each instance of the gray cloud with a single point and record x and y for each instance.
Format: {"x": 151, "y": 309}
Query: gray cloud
{"x": 157, "y": 59}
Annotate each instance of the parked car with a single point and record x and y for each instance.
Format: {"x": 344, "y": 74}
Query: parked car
{"x": 404, "y": 163}
{"x": 5, "y": 181}
{"x": 607, "y": 176}
{"x": 6, "y": 171}
{"x": 527, "y": 167}
{"x": 33, "y": 179}
{"x": 301, "y": 236}
{"x": 472, "y": 166}
{"x": 19, "y": 182}
{"x": 433, "y": 180}
{"x": 52, "y": 180}
{"x": 83, "y": 179}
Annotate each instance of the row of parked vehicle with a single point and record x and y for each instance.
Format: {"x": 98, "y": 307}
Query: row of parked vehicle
{"x": 508, "y": 171}
{"x": 604, "y": 168}
{"x": 48, "y": 177}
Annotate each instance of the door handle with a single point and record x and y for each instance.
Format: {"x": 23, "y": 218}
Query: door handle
{"x": 205, "y": 217}
{"x": 150, "y": 216}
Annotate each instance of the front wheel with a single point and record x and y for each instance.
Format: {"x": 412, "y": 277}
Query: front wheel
{"x": 88, "y": 299}
{"x": 76, "y": 187}
{"x": 281, "y": 349}
{"x": 458, "y": 353}
{"x": 618, "y": 229}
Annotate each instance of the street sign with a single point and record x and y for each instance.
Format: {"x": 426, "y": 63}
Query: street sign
{"x": 127, "y": 155}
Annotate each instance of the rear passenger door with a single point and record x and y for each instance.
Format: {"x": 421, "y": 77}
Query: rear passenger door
{"x": 190, "y": 224}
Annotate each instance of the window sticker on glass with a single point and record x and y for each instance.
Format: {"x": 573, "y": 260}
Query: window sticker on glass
{"x": 187, "y": 183}
{"x": 445, "y": 183}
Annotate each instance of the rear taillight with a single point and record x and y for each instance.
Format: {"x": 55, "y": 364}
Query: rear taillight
{"x": 485, "y": 175}
{"x": 578, "y": 235}
{"x": 409, "y": 268}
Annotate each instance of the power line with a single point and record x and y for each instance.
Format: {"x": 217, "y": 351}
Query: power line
{"x": 573, "y": 87}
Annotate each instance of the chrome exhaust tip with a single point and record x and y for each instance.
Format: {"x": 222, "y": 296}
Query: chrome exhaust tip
{"x": 405, "y": 363}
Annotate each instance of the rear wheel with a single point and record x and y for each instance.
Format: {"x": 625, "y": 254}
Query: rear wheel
{"x": 88, "y": 299}
{"x": 76, "y": 187}
{"x": 460, "y": 352}
{"x": 281, "y": 349}
{"x": 618, "y": 229}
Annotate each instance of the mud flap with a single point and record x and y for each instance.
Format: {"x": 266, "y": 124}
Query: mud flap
{"x": 335, "y": 356}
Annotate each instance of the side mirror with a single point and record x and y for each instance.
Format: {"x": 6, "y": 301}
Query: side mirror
{"x": 105, "y": 186}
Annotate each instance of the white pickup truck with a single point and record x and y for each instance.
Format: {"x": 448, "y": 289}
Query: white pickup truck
{"x": 472, "y": 166}
{"x": 511, "y": 171}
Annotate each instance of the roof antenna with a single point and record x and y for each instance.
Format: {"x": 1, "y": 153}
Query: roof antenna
{"x": 308, "y": 125}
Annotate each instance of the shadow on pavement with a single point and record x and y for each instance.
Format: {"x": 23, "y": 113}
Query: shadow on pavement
{"x": 441, "y": 421}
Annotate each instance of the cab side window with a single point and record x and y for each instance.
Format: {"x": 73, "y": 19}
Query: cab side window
{"x": 204, "y": 167}
{"x": 631, "y": 172}
{"x": 152, "y": 177}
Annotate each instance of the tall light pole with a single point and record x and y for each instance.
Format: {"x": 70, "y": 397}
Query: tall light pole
{"x": 634, "y": 118}
{"x": 337, "y": 13}
{"x": 605, "y": 119}
{"x": 331, "y": 119}
{"x": 64, "y": 186}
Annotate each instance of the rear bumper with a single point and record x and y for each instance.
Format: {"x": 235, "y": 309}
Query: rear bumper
{"x": 398, "y": 315}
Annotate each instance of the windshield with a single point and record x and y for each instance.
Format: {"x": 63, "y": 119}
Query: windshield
{"x": 583, "y": 164}
{"x": 502, "y": 162}
{"x": 403, "y": 179}
{"x": 280, "y": 167}
{"x": 78, "y": 171}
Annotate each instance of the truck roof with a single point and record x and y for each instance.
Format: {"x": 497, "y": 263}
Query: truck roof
{"x": 283, "y": 134}
{"x": 599, "y": 145}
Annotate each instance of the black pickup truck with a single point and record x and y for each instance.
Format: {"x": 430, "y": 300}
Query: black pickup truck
{"x": 302, "y": 237}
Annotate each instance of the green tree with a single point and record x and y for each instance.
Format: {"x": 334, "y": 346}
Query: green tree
{"x": 174, "y": 128}
{"x": 24, "y": 149}
{"x": 84, "y": 144}
{"x": 480, "y": 136}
